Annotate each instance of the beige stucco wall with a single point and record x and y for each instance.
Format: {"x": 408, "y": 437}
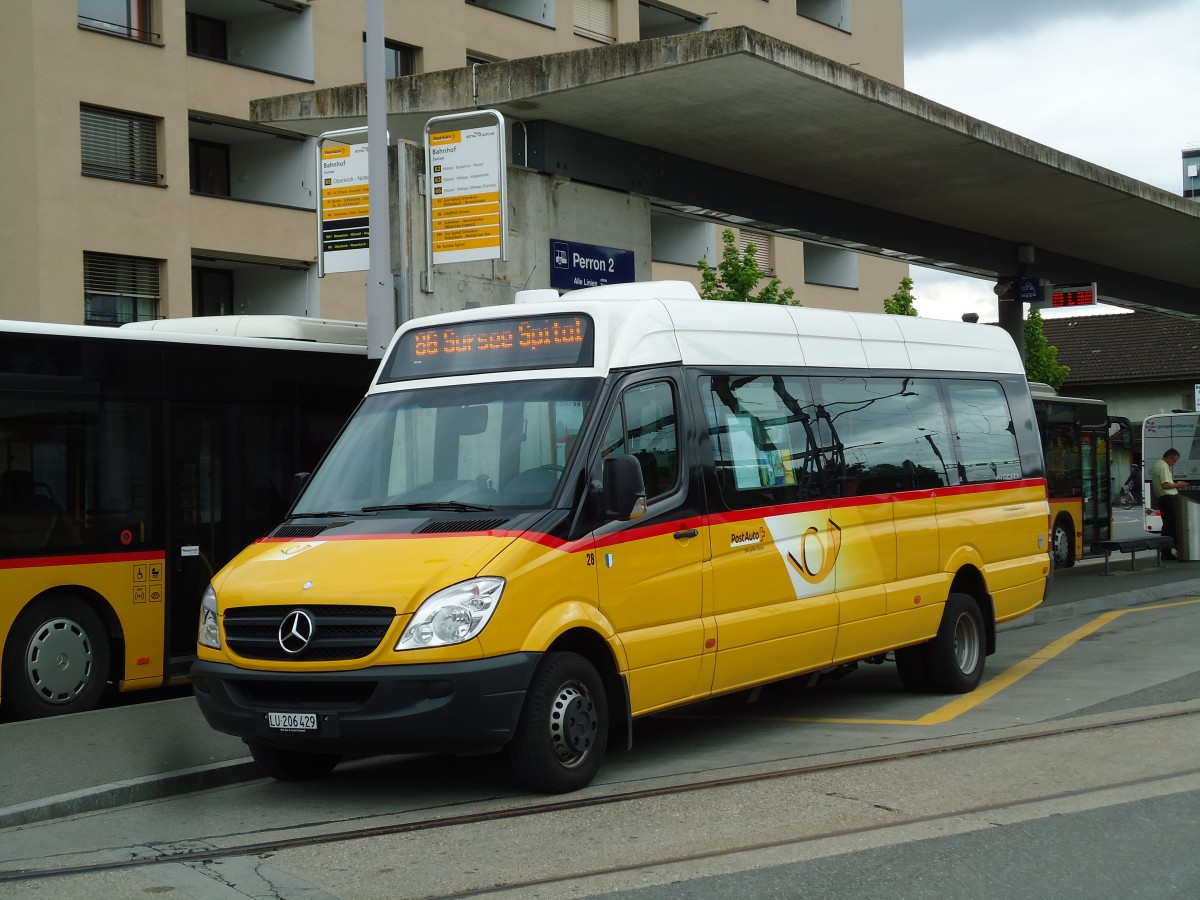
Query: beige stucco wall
{"x": 53, "y": 214}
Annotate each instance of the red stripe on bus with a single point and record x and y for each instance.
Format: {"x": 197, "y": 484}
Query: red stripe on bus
{"x": 83, "y": 559}
{"x": 659, "y": 529}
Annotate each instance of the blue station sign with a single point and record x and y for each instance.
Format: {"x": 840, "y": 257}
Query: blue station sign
{"x": 574, "y": 266}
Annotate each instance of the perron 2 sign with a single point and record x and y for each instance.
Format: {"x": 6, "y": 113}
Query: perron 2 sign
{"x": 574, "y": 266}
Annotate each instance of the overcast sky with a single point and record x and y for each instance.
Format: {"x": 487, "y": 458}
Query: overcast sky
{"x": 1114, "y": 82}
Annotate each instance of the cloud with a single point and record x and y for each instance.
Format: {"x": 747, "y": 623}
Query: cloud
{"x": 1107, "y": 81}
{"x": 934, "y": 25}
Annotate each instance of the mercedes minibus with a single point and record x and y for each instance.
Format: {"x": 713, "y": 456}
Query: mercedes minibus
{"x": 551, "y": 518}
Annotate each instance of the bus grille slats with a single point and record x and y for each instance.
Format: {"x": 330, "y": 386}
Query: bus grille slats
{"x": 452, "y": 525}
{"x": 340, "y": 632}
{"x": 298, "y": 531}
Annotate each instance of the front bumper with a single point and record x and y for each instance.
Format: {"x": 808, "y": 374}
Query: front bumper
{"x": 461, "y": 706}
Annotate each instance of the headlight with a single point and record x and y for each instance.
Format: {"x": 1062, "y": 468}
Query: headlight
{"x": 210, "y": 633}
{"x": 453, "y": 615}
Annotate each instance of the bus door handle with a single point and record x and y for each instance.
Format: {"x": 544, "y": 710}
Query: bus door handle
{"x": 685, "y": 534}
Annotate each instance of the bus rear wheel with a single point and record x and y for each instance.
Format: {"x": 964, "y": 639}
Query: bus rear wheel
{"x": 56, "y": 659}
{"x": 1062, "y": 543}
{"x": 292, "y": 765}
{"x": 563, "y": 731}
{"x": 955, "y": 657}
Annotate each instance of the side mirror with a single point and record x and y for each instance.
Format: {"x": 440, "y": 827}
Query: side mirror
{"x": 624, "y": 490}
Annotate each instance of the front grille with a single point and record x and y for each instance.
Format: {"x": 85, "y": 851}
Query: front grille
{"x": 340, "y": 632}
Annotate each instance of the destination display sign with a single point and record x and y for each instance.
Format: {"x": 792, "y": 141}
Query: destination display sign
{"x": 497, "y": 345}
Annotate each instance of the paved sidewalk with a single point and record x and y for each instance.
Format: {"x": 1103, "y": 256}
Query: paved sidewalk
{"x": 56, "y": 767}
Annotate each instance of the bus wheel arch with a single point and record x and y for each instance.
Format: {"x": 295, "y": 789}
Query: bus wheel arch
{"x": 59, "y": 655}
{"x": 1062, "y": 541}
{"x": 564, "y": 727}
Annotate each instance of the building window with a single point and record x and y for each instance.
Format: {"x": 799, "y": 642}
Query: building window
{"x": 539, "y": 11}
{"x": 830, "y": 266}
{"x": 119, "y": 289}
{"x": 834, "y": 13}
{"x": 119, "y": 145}
{"x": 212, "y": 291}
{"x": 209, "y": 167}
{"x": 127, "y": 18}
{"x": 398, "y": 59}
{"x": 594, "y": 19}
{"x": 478, "y": 59}
{"x": 206, "y": 37}
{"x": 764, "y": 249}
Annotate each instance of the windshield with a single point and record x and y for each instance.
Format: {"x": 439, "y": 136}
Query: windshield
{"x": 475, "y": 446}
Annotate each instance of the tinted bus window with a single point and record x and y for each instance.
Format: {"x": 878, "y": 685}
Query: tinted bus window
{"x": 987, "y": 445}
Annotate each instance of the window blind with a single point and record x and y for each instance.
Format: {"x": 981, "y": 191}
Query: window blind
{"x": 119, "y": 145}
{"x": 594, "y": 19}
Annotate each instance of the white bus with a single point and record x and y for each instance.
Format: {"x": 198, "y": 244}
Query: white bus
{"x": 1159, "y": 434}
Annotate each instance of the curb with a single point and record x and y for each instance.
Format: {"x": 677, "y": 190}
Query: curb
{"x": 1059, "y": 611}
{"x": 134, "y": 790}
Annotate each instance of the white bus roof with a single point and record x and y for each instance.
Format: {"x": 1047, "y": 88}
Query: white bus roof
{"x": 291, "y": 332}
{"x": 291, "y": 328}
{"x": 655, "y": 323}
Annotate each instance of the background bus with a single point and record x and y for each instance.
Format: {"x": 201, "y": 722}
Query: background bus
{"x": 133, "y": 464}
{"x": 1159, "y": 434}
{"x": 1075, "y": 442}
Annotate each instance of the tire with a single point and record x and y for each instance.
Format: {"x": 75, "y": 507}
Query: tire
{"x": 1062, "y": 543}
{"x": 562, "y": 734}
{"x": 955, "y": 657}
{"x": 56, "y": 660}
{"x": 911, "y": 664}
{"x": 292, "y": 765}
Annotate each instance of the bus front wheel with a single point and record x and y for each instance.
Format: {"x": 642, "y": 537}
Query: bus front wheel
{"x": 1062, "y": 543}
{"x": 563, "y": 730}
{"x": 56, "y": 659}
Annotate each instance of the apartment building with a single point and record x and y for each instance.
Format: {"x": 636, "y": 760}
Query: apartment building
{"x": 137, "y": 187}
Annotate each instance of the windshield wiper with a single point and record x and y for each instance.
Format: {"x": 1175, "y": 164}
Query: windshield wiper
{"x": 432, "y": 504}
{"x": 328, "y": 513}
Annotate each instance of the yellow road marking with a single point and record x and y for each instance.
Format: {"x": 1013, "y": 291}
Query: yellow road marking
{"x": 1005, "y": 679}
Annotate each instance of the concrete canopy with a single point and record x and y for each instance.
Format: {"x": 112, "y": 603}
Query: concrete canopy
{"x": 735, "y": 125}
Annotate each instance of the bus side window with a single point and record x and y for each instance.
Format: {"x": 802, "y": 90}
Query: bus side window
{"x": 762, "y": 433}
{"x": 643, "y": 424}
{"x": 987, "y": 443}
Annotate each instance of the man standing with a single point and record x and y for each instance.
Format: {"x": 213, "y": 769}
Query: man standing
{"x": 1166, "y": 491}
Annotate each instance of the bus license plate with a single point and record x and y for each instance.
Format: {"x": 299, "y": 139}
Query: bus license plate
{"x": 292, "y": 721}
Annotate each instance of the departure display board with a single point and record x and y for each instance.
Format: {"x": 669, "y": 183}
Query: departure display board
{"x": 494, "y": 345}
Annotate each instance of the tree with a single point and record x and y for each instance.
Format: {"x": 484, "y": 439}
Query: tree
{"x": 901, "y": 302}
{"x": 1041, "y": 358}
{"x": 737, "y": 275}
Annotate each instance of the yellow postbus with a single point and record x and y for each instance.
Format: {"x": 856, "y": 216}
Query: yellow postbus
{"x": 1077, "y": 436}
{"x": 550, "y": 518}
{"x": 135, "y": 462}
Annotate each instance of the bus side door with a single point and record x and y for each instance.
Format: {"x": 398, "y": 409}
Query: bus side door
{"x": 651, "y": 569}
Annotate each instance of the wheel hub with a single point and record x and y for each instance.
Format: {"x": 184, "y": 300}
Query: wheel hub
{"x": 573, "y": 724}
{"x": 59, "y": 660}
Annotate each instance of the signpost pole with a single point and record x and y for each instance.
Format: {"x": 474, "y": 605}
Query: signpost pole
{"x": 381, "y": 301}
